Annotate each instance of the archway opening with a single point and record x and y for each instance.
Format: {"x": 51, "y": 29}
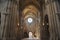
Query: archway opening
{"x": 46, "y": 34}
{"x": 31, "y": 20}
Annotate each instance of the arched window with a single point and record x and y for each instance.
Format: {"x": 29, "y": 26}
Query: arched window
{"x": 46, "y": 34}
{"x": 46, "y": 18}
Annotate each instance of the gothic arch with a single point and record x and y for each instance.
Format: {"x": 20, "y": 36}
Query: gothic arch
{"x": 46, "y": 33}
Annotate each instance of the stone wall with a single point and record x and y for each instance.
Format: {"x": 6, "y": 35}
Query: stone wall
{"x": 52, "y": 9}
{"x": 3, "y": 5}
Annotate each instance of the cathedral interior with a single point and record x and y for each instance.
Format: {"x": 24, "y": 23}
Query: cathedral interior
{"x": 29, "y": 19}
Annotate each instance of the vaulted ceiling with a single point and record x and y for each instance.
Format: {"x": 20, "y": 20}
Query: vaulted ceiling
{"x": 30, "y": 9}
{"x": 24, "y": 3}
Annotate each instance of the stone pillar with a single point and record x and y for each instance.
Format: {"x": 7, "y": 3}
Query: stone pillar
{"x": 53, "y": 27}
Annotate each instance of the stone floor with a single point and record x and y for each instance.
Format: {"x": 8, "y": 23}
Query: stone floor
{"x": 30, "y": 39}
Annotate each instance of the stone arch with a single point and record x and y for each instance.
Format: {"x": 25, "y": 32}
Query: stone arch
{"x": 46, "y": 34}
{"x": 34, "y": 11}
{"x": 22, "y": 6}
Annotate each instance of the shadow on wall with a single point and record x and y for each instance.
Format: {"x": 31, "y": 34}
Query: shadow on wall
{"x": 59, "y": 2}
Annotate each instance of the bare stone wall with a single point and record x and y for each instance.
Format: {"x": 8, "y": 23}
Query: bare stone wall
{"x": 3, "y": 5}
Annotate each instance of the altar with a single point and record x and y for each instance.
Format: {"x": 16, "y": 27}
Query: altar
{"x": 31, "y": 37}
